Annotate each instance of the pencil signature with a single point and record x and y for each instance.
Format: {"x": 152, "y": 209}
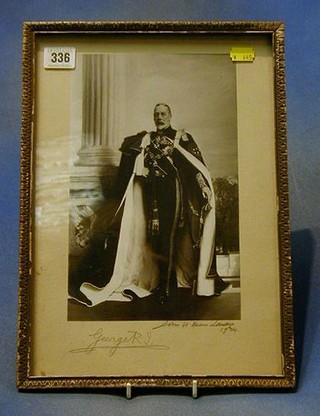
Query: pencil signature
{"x": 112, "y": 344}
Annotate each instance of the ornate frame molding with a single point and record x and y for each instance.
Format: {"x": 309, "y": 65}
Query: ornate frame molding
{"x": 30, "y": 31}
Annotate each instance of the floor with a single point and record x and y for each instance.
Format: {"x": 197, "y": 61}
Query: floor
{"x": 180, "y": 306}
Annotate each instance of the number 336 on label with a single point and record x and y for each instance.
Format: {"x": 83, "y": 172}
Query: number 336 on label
{"x": 60, "y": 58}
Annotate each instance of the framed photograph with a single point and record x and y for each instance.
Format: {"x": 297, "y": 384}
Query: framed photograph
{"x": 154, "y": 238}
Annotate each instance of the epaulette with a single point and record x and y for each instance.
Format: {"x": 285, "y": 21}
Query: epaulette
{"x": 183, "y": 135}
{"x": 132, "y": 142}
{"x": 142, "y": 133}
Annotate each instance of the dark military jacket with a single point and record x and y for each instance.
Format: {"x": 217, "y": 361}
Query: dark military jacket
{"x": 191, "y": 180}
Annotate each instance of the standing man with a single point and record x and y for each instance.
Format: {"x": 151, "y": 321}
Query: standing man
{"x": 168, "y": 223}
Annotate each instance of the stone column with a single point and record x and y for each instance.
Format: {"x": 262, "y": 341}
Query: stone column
{"x": 103, "y": 109}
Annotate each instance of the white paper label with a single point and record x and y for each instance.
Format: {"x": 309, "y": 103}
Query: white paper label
{"x": 60, "y": 58}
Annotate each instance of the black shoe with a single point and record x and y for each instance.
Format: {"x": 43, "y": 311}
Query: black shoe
{"x": 220, "y": 285}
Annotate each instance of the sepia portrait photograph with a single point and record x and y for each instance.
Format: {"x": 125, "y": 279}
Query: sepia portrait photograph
{"x": 154, "y": 215}
{"x": 152, "y": 238}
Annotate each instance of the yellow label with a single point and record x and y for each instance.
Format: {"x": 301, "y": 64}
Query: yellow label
{"x": 242, "y": 54}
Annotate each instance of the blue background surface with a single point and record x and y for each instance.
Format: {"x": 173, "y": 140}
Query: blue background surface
{"x": 303, "y": 104}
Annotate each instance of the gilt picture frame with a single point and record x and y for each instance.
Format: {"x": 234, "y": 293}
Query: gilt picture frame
{"x": 154, "y": 220}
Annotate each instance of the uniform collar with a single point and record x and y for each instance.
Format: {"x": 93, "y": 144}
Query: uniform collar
{"x": 169, "y": 132}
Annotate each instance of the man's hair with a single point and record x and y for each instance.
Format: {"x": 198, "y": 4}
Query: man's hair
{"x": 164, "y": 104}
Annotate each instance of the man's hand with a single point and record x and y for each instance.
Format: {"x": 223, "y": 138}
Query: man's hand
{"x": 207, "y": 193}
